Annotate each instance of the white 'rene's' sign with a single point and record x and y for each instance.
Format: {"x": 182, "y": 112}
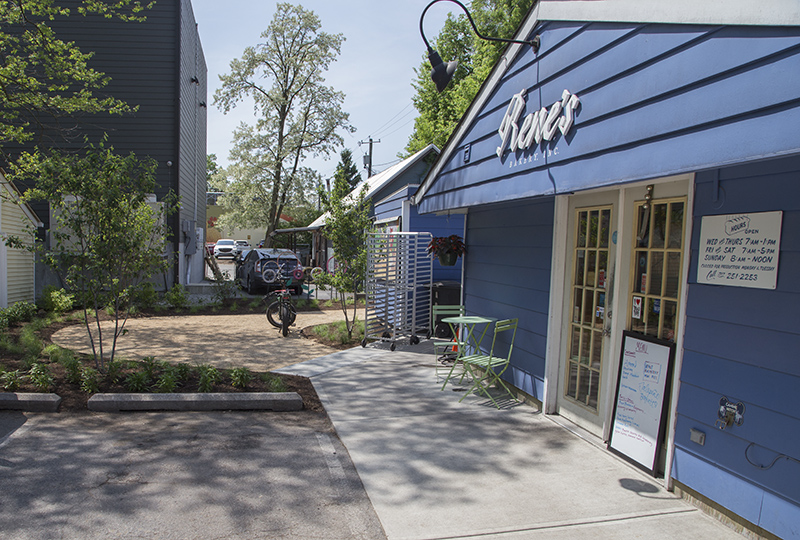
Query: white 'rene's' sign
{"x": 538, "y": 126}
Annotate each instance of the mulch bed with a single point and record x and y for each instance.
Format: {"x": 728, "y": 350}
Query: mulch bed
{"x": 75, "y": 400}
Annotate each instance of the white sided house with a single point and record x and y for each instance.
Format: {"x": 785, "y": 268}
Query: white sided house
{"x": 17, "y": 276}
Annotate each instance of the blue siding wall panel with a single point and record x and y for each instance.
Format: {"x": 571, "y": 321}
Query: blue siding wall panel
{"x": 738, "y": 495}
{"x": 652, "y": 97}
{"x": 742, "y": 344}
{"x": 508, "y": 264}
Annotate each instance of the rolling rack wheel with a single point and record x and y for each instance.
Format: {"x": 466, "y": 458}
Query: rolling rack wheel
{"x": 364, "y": 342}
{"x": 392, "y": 347}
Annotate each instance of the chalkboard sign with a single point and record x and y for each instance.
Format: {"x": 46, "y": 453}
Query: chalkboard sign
{"x": 645, "y": 370}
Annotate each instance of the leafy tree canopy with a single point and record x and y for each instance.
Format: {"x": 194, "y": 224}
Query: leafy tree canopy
{"x": 439, "y": 114}
{"x": 297, "y": 115}
{"x": 42, "y": 76}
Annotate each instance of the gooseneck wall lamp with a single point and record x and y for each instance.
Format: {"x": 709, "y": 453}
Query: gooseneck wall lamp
{"x": 442, "y": 73}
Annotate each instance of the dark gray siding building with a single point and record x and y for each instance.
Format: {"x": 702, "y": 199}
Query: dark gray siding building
{"x": 157, "y": 66}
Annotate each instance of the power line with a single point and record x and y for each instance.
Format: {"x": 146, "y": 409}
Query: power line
{"x": 392, "y": 120}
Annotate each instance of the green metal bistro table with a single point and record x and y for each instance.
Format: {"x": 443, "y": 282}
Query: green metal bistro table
{"x": 472, "y": 341}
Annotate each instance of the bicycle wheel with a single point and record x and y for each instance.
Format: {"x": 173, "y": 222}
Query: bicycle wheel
{"x": 273, "y": 313}
{"x": 270, "y": 271}
{"x": 285, "y": 314}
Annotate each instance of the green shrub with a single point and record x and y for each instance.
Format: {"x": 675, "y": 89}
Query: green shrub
{"x": 56, "y": 300}
{"x": 72, "y": 367}
{"x": 10, "y": 380}
{"x": 209, "y": 376}
{"x": 181, "y": 371}
{"x": 241, "y": 377}
{"x": 41, "y": 377}
{"x": 224, "y": 290}
{"x": 167, "y": 382}
{"x": 177, "y": 297}
{"x": 114, "y": 371}
{"x": 31, "y": 344}
{"x": 274, "y": 383}
{"x": 20, "y": 312}
{"x": 89, "y": 380}
{"x": 143, "y": 295}
{"x": 137, "y": 382}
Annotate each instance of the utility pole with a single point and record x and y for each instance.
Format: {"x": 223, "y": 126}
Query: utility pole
{"x": 368, "y": 157}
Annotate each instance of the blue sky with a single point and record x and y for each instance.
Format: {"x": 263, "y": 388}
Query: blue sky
{"x": 374, "y": 70}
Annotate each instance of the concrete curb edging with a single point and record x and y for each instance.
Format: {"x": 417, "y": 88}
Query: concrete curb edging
{"x": 245, "y": 401}
{"x": 30, "y": 402}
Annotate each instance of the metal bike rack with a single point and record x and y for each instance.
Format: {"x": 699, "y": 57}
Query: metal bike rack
{"x": 398, "y": 287}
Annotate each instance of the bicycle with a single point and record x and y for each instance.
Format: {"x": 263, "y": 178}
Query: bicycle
{"x": 281, "y": 313}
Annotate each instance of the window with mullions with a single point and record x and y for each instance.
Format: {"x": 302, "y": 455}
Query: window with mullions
{"x": 657, "y": 263}
{"x": 590, "y": 275}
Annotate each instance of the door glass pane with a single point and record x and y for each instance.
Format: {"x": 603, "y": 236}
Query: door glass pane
{"x": 673, "y": 275}
{"x": 593, "y": 391}
{"x": 591, "y": 268}
{"x": 642, "y": 227}
{"x": 593, "y": 226}
{"x": 640, "y": 283}
{"x": 597, "y": 349}
{"x": 653, "y": 314}
{"x": 659, "y": 225}
{"x": 583, "y": 384}
{"x": 586, "y": 343}
{"x": 588, "y": 305}
{"x": 580, "y": 262}
{"x": 605, "y": 228}
{"x": 576, "y": 342}
{"x": 637, "y": 323}
{"x": 602, "y": 269}
{"x": 572, "y": 381}
{"x": 582, "y": 224}
{"x": 656, "y": 272}
{"x": 668, "y": 315}
{"x": 599, "y": 309}
{"x": 576, "y": 310}
{"x": 676, "y": 225}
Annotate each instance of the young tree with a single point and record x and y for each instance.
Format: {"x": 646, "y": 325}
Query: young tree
{"x": 43, "y": 77}
{"x": 110, "y": 234}
{"x": 441, "y": 113}
{"x": 347, "y": 169}
{"x": 346, "y": 227}
{"x": 298, "y": 115}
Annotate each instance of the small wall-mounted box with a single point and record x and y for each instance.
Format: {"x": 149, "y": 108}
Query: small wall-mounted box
{"x": 697, "y": 436}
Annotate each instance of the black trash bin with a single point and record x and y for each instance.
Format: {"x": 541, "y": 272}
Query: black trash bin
{"x": 444, "y": 293}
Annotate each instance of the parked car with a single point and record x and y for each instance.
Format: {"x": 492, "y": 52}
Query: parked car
{"x": 225, "y": 248}
{"x": 242, "y": 245}
{"x": 269, "y": 269}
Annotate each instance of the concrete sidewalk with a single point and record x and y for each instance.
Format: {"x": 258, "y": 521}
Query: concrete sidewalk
{"x": 435, "y": 468}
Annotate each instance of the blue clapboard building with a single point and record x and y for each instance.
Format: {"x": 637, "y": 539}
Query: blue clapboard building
{"x": 638, "y": 178}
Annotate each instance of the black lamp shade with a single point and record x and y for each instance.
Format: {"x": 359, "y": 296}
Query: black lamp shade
{"x": 442, "y": 73}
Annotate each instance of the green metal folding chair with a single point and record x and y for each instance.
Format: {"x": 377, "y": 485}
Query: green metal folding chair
{"x": 490, "y": 367}
{"x": 445, "y": 352}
